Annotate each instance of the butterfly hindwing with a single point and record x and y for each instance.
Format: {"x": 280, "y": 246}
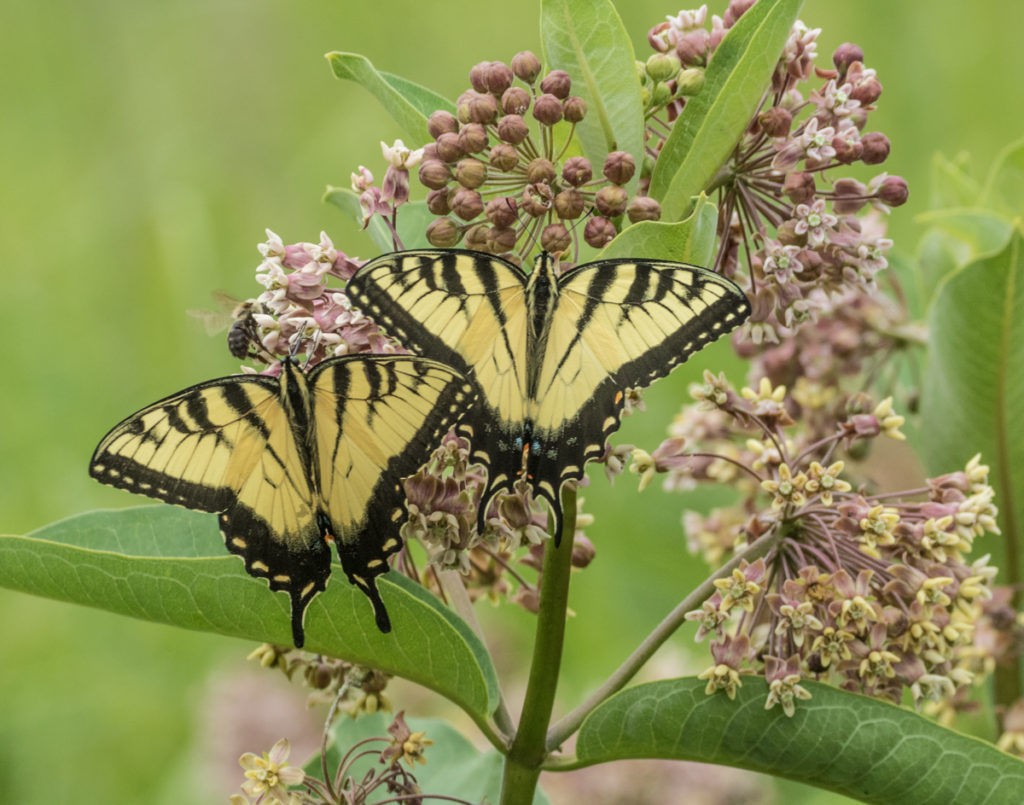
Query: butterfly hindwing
{"x": 377, "y": 419}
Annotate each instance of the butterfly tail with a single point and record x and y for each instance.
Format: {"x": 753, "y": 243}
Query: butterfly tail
{"x": 298, "y": 615}
{"x": 380, "y": 613}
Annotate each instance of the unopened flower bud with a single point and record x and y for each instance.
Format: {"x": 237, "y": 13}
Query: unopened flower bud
{"x": 501, "y": 211}
{"x": 662, "y": 66}
{"x": 443, "y": 233}
{"x": 437, "y": 202}
{"x": 849, "y": 196}
{"x": 441, "y": 122}
{"x": 867, "y": 91}
{"x": 574, "y": 109}
{"x": 876, "y": 148}
{"x": 473, "y": 138}
{"x": 470, "y": 172}
{"x": 619, "y": 167}
{"x": 845, "y": 55}
{"x": 528, "y": 599}
{"x": 540, "y": 170}
{"x": 504, "y": 157}
{"x": 847, "y": 151}
{"x": 611, "y": 201}
{"x": 476, "y": 77}
{"x": 692, "y": 47}
{"x": 598, "y": 232}
{"x": 547, "y": 109}
{"x": 467, "y": 204}
{"x": 775, "y": 122}
{"x": 583, "y": 551}
{"x": 448, "y": 148}
{"x": 893, "y": 191}
{"x": 434, "y": 174}
{"x": 536, "y": 199}
{"x": 497, "y": 78}
{"x": 577, "y": 171}
{"x": 661, "y": 94}
{"x": 478, "y": 237}
{"x": 569, "y": 204}
{"x": 557, "y": 83}
{"x": 526, "y": 66}
{"x": 515, "y": 101}
{"x": 799, "y": 187}
{"x": 483, "y": 109}
{"x": 735, "y": 10}
{"x": 643, "y": 208}
{"x": 513, "y": 129}
{"x": 690, "y": 81}
{"x": 555, "y": 238}
{"x": 501, "y": 239}
{"x": 787, "y": 234}
{"x": 430, "y": 151}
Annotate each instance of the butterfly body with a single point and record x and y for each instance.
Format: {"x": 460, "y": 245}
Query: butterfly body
{"x": 295, "y": 464}
{"x": 550, "y": 355}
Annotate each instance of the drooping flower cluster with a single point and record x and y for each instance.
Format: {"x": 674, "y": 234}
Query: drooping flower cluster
{"x": 803, "y": 245}
{"x": 872, "y": 590}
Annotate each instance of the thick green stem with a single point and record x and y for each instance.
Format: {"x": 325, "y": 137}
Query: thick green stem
{"x": 522, "y": 766}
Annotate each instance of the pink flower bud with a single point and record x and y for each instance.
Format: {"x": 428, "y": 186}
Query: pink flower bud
{"x": 555, "y": 238}
{"x": 540, "y": 170}
{"x": 577, "y": 171}
{"x": 557, "y": 83}
{"x": 775, "y": 122}
{"x": 611, "y": 201}
{"x": 599, "y": 232}
{"x": 473, "y": 138}
{"x": 799, "y": 187}
{"x": 876, "y": 148}
{"x": 547, "y": 109}
{"x": 501, "y": 239}
{"x": 526, "y": 66}
{"x": 643, "y": 208}
{"x": 515, "y": 101}
{"x": 437, "y": 202}
{"x": 893, "y": 191}
{"x": 845, "y": 55}
{"x": 503, "y": 157}
{"x": 569, "y": 204}
{"x": 434, "y": 174}
{"x": 470, "y": 172}
{"x": 501, "y": 211}
{"x": 574, "y": 108}
{"x": 467, "y": 204}
{"x": 448, "y": 148}
{"x": 440, "y": 122}
{"x": 443, "y": 233}
{"x": 619, "y": 167}
{"x": 513, "y": 129}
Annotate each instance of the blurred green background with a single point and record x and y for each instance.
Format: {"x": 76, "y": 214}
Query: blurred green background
{"x": 146, "y": 147}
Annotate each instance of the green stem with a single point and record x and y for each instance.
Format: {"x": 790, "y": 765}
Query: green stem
{"x": 571, "y": 722}
{"x": 522, "y": 765}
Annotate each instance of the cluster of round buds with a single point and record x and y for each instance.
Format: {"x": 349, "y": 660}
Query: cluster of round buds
{"x": 496, "y": 173}
{"x": 304, "y": 309}
{"x": 443, "y": 499}
{"x": 804, "y": 244}
{"x": 870, "y": 590}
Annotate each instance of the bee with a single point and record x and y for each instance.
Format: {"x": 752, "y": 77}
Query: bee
{"x": 243, "y": 333}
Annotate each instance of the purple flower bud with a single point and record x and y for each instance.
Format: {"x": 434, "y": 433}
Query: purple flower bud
{"x": 501, "y": 211}
{"x": 574, "y": 108}
{"x": 473, "y": 138}
{"x": 443, "y": 233}
{"x": 434, "y": 174}
{"x": 504, "y": 157}
{"x": 775, "y": 122}
{"x": 577, "y": 171}
{"x": 537, "y": 199}
{"x": 643, "y": 208}
{"x": 540, "y": 170}
{"x": 893, "y": 191}
{"x": 478, "y": 237}
{"x": 501, "y": 239}
{"x": 876, "y": 148}
{"x": 693, "y": 46}
{"x": 555, "y": 238}
{"x": 736, "y": 9}
{"x": 619, "y": 167}
{"x": 448, "y": 148}
{"x": 477, "y": 77}
{"x": 513, "y": 129}
{"x": 847, "y": 149}
{"x": 556, "y": 83}
{"x": 845, "y": 55}
{"x": 599, "y": 232}
{"x": 867, "y": 91}
{"x": 849, "y": 196}
{"x": 583, "y": 551}
{"x": 526, "y": 66}
{"x": 515, "y": 101}
{"x": 799, "y": 187}
{"x": 441, "y": 122}
{"x": 547, "y": 109}
{"x": 467, "y": 204}
{"x": 497, "y": 77}
{"x": 470, "y": 172}
{"x": 865, "y": 425}
{"x": 611, "y": 201}
{"x": 430, "y": 151}
{"x": 569, "y": 204}
{"x": 657, "y": 37}
{"x": 437, "y": 202}
{"x": 483, "y": 109}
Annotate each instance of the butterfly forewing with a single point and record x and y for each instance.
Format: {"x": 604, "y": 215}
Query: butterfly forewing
{"x": 378, "y": 420}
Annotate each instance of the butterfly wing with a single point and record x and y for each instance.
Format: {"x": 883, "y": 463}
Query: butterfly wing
{"x": 616, "y": 325}
{"x": 377, "y": 420}
{"x": 227, "y": 446}
{"x": 467, "y": 310}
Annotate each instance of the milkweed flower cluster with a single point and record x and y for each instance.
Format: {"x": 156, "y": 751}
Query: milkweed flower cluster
{"x": 874, "y": 591}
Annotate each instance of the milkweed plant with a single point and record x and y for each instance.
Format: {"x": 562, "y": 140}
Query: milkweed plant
{"x": 863, "y": 557}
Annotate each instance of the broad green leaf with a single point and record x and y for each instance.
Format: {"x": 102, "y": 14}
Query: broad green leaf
{"x": 689, "y": 241}
{"x": 712, "y": 122}
{"x": 973, "y": 231}
{"x": 952, "y": 184}
{"x": 169, "y": 565}
{"x": 843, "y": 742}
{"x": 587, "y": 39}
{"x": 1004, "y": 189}
{"x": 974, "y": 380}
{"x": 413, "y": 218}
{"x": 454, "y": 768}
{"x": 407, "y": 102}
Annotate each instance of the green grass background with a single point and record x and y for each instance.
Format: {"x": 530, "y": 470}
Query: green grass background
{"x": 145, "y": 147}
